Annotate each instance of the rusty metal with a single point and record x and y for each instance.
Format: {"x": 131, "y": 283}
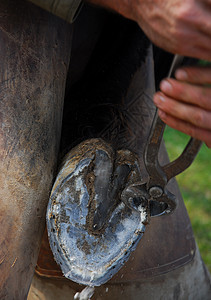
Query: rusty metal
{"x": 184, "y": 160}
{"x": 161, "y": 200}
{"x": 159, "y": 176}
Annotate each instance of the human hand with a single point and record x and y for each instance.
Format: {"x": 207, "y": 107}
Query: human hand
{"x": 185, "y": 102}
{"x": 180, "y": 27}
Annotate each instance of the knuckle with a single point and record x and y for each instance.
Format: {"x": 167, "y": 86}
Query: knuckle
{"x": 187, "y": 12}
{"x": 204, "y": 101}
{"x": 204, "y": 98}
{"x": 198, "y": 117}
{"x": 183, "y": 12}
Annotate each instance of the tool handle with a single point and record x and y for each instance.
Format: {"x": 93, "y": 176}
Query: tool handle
{"x": 184, "y": 160}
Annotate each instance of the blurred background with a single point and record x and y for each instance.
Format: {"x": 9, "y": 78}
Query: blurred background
{"x": 195, "y": 186}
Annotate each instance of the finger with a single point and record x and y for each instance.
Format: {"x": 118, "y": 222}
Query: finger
{"x": 182, "y": 47}
{"x": 194, "y": 34}
{"x": 187, "y": 128}
{"x": 188, "y": 113}
{"x": 196, "y": 17}
{"x": 197, "y": 75}
{"x": 196, "y": 50}
{"x": 182, "y": 91}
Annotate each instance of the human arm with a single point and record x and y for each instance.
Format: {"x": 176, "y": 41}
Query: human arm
{"x": 182, "y": 27}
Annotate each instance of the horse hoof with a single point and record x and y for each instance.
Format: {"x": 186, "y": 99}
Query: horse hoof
{"x": 91, "y": 231}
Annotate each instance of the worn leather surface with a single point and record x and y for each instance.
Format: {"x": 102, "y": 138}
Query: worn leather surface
{"x": 113, "y": 100}
{"x": 190, "y": 281}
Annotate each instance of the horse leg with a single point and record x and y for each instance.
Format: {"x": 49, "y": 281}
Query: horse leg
{"x": 35, "y": 50}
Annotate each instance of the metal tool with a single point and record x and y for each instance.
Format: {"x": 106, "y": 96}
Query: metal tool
{"x": 160, "y": 200}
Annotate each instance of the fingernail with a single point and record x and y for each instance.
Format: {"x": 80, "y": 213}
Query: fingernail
{"x": 165, "y": 86}
{"x": 181, "y": 74}
{"x": 159, "y": 99}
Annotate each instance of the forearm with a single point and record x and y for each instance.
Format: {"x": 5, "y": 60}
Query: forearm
{"x": 177, "y": 27}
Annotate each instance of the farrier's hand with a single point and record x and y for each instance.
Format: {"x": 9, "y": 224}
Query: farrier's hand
{"x": 180, "y": 27}
{"x": 185, "y": 103}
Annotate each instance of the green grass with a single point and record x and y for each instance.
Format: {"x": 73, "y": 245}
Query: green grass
{"x": 195, "y": 185}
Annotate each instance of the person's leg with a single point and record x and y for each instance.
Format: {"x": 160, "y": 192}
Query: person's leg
{"x": 34, "y": 48}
